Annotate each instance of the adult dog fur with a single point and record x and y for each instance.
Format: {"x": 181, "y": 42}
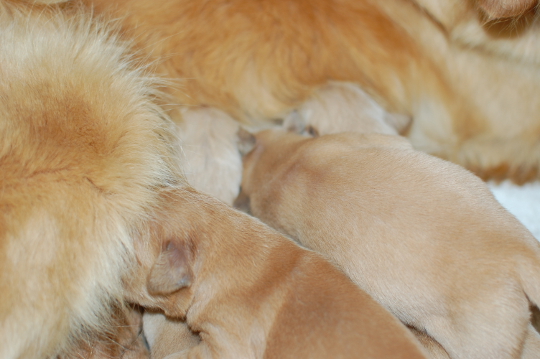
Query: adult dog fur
{"x": 423, "y": 236}
{"x": 252, "y": 293}
{"x": 83, "y": 150}
{"x": 468, "y": 83}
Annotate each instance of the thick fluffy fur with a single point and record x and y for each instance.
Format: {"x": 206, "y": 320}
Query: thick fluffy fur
{"x": 252, "y": 293}
{"x": 469, "y": 85}
{"x": 83, "y": 149}
{"x": 124, "y": 339}
{"x": 423, "y": 236}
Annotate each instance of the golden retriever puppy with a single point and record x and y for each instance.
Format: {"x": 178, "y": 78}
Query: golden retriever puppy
{"x": 423, "y": 236}
{"x": 83, "y": 150}
{"x": 469, "y": 86}
{"x": 252, "y": 293}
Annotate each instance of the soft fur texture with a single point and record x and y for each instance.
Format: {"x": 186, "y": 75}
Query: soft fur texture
{"x": 83, "y": 150}
{"x": 351, "y": 110}
{"x": 203, "y": 133}
{"x": 124, "y": 340}
{"x": 167, "y": 336}
{"x": 251, "y": 293}
{"x": 423, "y": 236}
{"x": 468, "y": 84}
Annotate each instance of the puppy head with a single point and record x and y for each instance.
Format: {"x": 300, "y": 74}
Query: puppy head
{"x": 164, "y": 273}
{"x": 262, "y": 154}
{"x": 172, "y": 251}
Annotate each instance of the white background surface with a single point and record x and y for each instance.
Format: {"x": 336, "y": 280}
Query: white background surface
{"x": 522, "y": 201}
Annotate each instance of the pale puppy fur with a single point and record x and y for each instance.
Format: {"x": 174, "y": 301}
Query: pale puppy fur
{"x": 202, "y": 133}
{"x": 425, "y": 237}
{"x": 250, "y": 292}
{"x": 344, "y": 103}
{"x": 83, "y": 151}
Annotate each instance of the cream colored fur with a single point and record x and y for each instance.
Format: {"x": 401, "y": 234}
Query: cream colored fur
{"x": 203, "y": 133}
{"x": 423, "y": 236}
{"x": 83, "y": 148}
{"x": 345, "y": 103}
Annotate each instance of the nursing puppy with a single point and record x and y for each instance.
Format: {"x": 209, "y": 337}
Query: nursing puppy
{"x": 423, "y": 236}
{"x": 83, "y": 150}
{"x": 468, "y": 83}
{"x": 251, "y": 293}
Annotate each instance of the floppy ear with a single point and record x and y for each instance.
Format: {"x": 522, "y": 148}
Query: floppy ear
{"x": 246, "y": 141}
{"x": 172, "y": 269}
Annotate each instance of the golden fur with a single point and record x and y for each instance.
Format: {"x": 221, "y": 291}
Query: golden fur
{"x": 124, "y": 339}
{"x": 469, "y": 84}
{"x": 423, "y": 236}
{"x": 83, "y": 150}
{"x": 252, "y": 293}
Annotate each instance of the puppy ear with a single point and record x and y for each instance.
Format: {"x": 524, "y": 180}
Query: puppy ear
{"x": 246, "y": 141}
{"x": 172, "y": 269}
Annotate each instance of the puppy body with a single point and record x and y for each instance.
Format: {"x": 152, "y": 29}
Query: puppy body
{"x": 423, "y": 236}
{"x": 83, "y": 148}
{"x": 251, "y": 293}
